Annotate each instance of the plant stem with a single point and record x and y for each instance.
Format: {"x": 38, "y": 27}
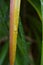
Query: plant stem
{"x": 14, "y": 21}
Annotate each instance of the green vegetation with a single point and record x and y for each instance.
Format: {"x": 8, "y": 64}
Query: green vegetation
{"x": 29, "y": 41}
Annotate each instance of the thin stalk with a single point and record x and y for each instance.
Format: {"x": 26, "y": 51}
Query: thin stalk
{"x": 14, "y": 21}
{"x": 42, "y": 32}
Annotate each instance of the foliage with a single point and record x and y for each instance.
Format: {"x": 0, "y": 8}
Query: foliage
{"x": 42, "y": 32}
{"x": 29, "y": 33}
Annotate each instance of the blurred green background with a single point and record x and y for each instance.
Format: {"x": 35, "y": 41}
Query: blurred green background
{"x": 29, "y": 41}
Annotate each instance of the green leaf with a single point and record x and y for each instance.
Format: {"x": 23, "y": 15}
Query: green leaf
{"x": 37, "y": 6}
{"x": 22, "y": 51}
{"x": 4, "y": 19}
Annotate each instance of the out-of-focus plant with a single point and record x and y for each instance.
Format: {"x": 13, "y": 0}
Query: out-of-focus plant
{"x": 42, "y": 32}
{"x": 29, "y": 39}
